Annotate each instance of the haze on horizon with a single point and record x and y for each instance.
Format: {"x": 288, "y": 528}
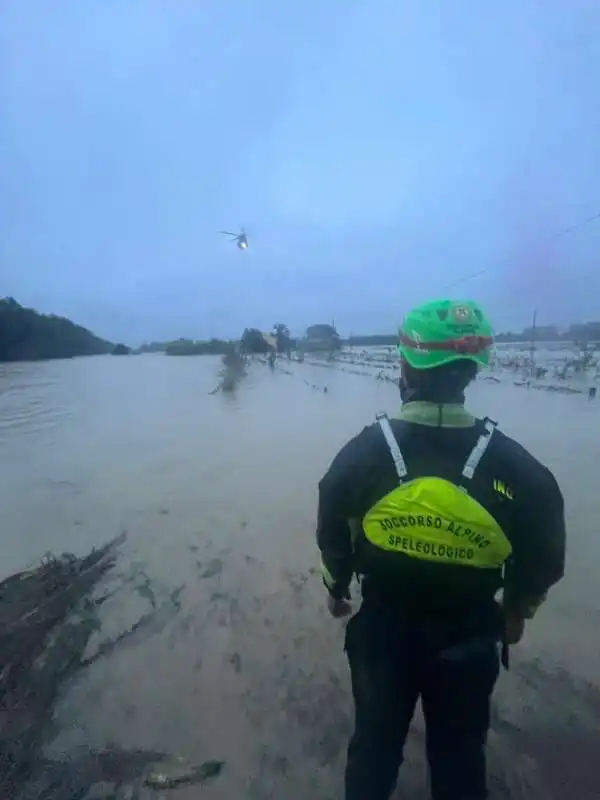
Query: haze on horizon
{"x": 375, "y": 154}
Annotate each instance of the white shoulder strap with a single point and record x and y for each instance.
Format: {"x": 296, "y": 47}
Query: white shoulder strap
{"x": 477, "y": 452}
{"x": 397, "y": 456}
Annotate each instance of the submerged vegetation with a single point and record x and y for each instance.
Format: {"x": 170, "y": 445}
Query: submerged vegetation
{"x": 233, "y": 370}
{"x": 39, "y": 653}
{"x": 48, "y": 616}
{"x": 26, "y": 335}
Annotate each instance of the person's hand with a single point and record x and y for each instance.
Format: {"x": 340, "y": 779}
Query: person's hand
{"x": 514, "y": 628}
{"x": 338, "y": 608}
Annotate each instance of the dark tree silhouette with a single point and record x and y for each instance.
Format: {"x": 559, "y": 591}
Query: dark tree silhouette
{"x": 26, "y": 335}
{"x": 188, "y": 347}
{"x": 283, "y": 339}
{"x": 321, "y": 337}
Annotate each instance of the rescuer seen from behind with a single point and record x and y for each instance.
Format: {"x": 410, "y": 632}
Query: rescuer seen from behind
{"x": 435, "y": 511}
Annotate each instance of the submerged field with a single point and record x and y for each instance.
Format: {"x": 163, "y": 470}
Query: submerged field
{"x": 217, "y": 494}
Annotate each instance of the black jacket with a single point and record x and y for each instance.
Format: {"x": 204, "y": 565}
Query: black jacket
{"x": 517, "y": 490}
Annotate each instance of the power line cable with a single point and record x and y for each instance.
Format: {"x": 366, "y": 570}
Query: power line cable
{"x": 558, "y": 235}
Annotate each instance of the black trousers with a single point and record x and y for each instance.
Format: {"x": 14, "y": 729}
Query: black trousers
{"x": 394, "y": 660}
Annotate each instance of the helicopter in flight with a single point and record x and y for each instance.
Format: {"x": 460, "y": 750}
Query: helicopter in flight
{"x": 241, "y": 239}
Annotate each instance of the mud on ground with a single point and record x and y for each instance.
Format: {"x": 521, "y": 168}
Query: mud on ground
{"x": 249, "y": 670}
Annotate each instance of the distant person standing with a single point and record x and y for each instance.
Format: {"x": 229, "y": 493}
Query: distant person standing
{"x": 435, "y": 511}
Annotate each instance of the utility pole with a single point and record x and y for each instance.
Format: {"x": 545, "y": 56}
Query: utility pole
{"x": 532, "y": 346}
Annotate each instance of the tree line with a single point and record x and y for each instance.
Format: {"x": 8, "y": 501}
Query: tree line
{"x": 252, "y": 339}
{"x": 191, "y": 347}
{"x": 576, "y": 332}
{"x": 26, "y": 335}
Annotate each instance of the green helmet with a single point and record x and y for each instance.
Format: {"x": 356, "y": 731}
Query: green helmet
{"x": 443, "y": 331}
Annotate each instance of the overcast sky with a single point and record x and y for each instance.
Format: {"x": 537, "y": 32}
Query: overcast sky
{"x": 375, "y": 151}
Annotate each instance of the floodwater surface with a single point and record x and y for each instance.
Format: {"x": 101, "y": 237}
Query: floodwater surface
{"x": 217, "y": 494}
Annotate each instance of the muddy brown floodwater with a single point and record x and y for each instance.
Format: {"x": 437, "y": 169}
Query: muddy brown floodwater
{"x": 217, "y": 494}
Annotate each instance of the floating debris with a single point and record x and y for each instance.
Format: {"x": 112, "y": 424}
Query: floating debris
{"x": 177, "y": 772}
{"x": 314, "y": 386}
{"x": 116, "y": 774}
